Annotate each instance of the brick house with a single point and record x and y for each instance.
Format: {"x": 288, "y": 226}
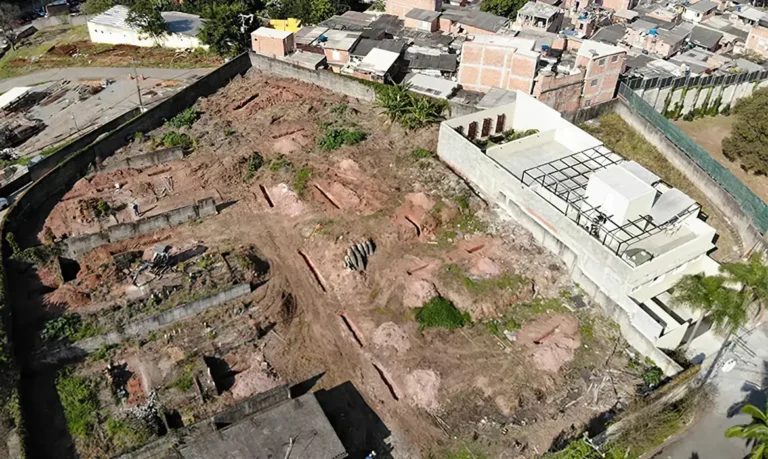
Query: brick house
{"x": 498, "y": 62}
{"x": 602, "y": 64}
{"x": 401, "y": 8}
{"x": 272, "y": 42}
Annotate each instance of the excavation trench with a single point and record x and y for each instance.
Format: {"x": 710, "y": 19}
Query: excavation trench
{"x": 327, "y": 197}
{"x": 417, "y": 227}
{"x": 352, "y": 330}
{"x": 312, "y": 268}
{"x": 386, "y": 382}
{"x": 246, "y": 101}
{"x": 266, "y": 196}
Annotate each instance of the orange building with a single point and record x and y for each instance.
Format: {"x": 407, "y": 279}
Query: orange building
{"x": 757, "y": 40}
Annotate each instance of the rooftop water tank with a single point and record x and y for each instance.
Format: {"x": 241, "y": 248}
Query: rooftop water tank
{"x": 653, "y": 32}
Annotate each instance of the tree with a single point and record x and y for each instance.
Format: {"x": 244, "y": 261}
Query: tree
{"x": 756, "y": 432}
{"x": 309, "y": 11}
{"x": 504, "y": 8}
{"x": 227, "y": 28}
{"x": 145, "y": 16}
{"x": 8, "y": 15}
{"x": 698, "y": 292}
{"x": 408, "y": 109}
{"x": 97, "y": 6}
{"x": 748, "y": 141}
{"x": 753, "y": 279}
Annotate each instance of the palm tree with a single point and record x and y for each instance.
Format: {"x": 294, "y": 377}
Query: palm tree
{"x": 753, "y": 278}
{"x": 756, "y": 432}
{"x": 698, "y": 292}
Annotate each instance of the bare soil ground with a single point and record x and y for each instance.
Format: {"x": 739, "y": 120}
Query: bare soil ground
{"x": 709, "y": 132}
{"x": 525, "y": 372}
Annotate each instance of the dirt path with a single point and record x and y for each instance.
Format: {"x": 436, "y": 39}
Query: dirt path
{"x": 709, "y": 132}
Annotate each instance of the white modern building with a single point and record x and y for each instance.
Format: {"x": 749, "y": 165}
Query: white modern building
{"x": 626, "y": 236}
{"x": 111, "y": 27}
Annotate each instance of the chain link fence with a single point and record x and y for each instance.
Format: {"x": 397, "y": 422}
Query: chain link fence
{"x": 752, "y": 205}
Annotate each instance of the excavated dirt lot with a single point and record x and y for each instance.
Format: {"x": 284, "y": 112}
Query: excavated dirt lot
{"x": 535, "y": 365}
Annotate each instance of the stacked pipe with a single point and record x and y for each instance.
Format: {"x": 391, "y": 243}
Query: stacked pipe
{"x": 357, "y": 255}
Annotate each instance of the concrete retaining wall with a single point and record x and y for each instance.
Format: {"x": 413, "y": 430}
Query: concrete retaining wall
{"x": 79, "y": 246}
{"x": 719, "y": 97}
{"x": 150, "y": 159}
{"x": 747, "y": 231}
{"x": 323, "y": 78}
{"x": 144, "y": 326}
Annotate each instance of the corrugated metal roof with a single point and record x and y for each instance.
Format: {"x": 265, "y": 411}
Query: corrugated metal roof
{"x": 378, "y": 61}
{"x": 707, "y": 38}
{"x": 476, "y": 18}
{"x": 365, "y": 45}
{"x": 422, "y": 15}
{"x": 441, "y": 62}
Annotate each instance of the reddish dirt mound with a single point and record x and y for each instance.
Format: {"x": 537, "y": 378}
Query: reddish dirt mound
{"x": 552, "y": 340}
{"x": 63, "y": 50}
{"x": 67, "y": 295}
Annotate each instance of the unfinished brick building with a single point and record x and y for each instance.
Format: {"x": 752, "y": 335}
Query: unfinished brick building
{"x": 498, "y": 62}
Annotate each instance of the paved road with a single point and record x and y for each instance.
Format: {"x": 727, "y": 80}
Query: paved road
{"x": 746, "y": 382}
{"x": 97, "y": 73}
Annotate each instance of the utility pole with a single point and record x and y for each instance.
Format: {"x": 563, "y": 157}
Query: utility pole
{"x": 138, "y": 88}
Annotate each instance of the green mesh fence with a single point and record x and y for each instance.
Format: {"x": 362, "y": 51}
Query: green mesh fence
{"x": 749, "y": 201}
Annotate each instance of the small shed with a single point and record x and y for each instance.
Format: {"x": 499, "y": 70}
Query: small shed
{"x": 378, "y": 65}
{"x": 57, "y": 8}
{"x": 424, "y": 20}
{"x": 272, "y": 42}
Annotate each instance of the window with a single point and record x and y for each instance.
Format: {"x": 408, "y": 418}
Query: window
{"x": 601, "y": 63}
{"x": 500, "y": 123}
{"x": 614, "y": 58}
{"x": 472, "y": 130}
{"x": 593, "y": 83}
{"x": 486, "y": 131}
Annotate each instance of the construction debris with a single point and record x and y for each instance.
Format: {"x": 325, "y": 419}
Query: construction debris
{"x": 357, "y": 255}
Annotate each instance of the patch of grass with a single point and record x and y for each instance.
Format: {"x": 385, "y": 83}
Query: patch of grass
{"x": 340, "y": 109}
{"x": 204, "y": 263}
{"x": 421, "y": 153}
{"x": 279, "y": 163}
{"x": 184, "y": 119}
{"x": 301, "y": 178}
{"x": 465, "y": 452}
{"x": 440, "y": 312}
{"x": 80, "y": 402}
{"x": 338, "y": 137}
{"x": 102, "y": 353}
{"x": 186, "y": 380}
{"x": 229, "y": 131}
{"x": 512, "y": 135}
{"x": 126, "y": 433}
{"x": 484, "y": 286}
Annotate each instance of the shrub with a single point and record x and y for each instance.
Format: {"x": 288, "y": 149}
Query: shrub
{"x": 408, "y": 109}
{"x": 80, "y": 403}
{"x": 174, "y": 139}
{"x": 102, "y": 209}
{"x": 440, "y": 312}
{"x": 68, "y": 328}
{"x": 421, "y": 153}
{"x": 338, "y": 137}
{"x": 302, "y": 177}
{"x": 254, "y": 164}
{"x": 512, "y": 135}
{"x": 653, "y": 376}
{"x": 184, "y": 119}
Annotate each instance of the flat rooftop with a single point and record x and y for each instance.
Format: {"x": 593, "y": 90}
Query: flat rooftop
{"x": 268, "y": 434}
{"x": 558, "y": 161}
